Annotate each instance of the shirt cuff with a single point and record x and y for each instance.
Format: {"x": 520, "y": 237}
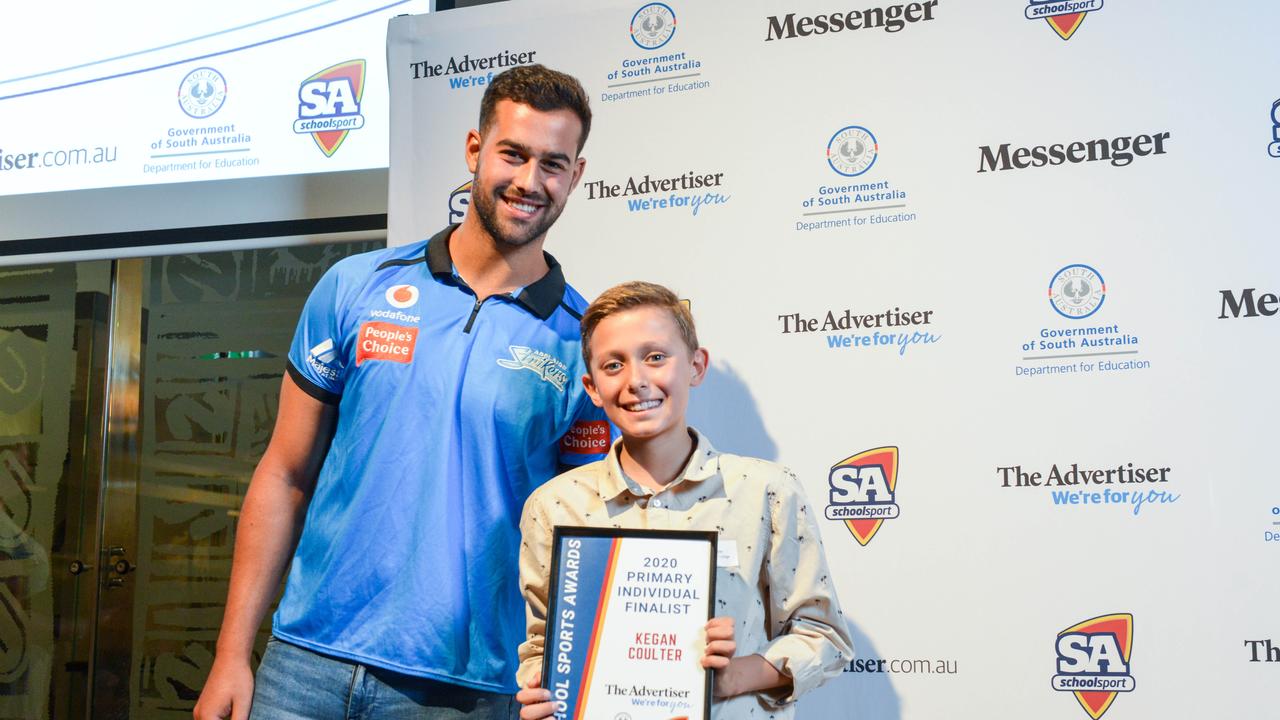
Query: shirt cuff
{"x": 528, "y": 668}
{"x": 786, "y": 655}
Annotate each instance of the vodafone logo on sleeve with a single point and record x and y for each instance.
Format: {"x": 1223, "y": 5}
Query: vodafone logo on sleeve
{"x": 402, "y": 296}
{"x": 386, "y": 341}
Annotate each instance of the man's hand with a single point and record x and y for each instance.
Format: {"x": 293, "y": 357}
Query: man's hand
{"x": 536, "y": 701}
{"x": 227, "y": 693}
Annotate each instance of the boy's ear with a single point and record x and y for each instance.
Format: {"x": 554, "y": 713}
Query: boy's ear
{"x": 701, "y": 361}
{"x": 591, "y": 390}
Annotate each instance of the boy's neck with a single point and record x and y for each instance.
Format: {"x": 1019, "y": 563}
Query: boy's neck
{"x": 657, "y": 462}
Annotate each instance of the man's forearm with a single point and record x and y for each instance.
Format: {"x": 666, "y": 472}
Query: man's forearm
{"x": 270, "y": 522}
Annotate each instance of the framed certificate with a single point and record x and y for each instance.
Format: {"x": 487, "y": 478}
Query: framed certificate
{"x": 625, "y": 624}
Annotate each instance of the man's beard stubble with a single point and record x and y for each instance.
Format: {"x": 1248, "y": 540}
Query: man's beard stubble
{"x": 485, "y": 204}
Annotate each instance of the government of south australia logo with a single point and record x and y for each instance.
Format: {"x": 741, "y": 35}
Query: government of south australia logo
{"x": 1093, "y": 661}
{"x": 862, "y": 491}
{"x": 1064, "y": 16}
{"x": 202, "y": 92}
{"x": 852, "y": 151}
{"x": 329, "y": 105}
{"x": 1077, "y": 291}
{"x": 653, "y": 25}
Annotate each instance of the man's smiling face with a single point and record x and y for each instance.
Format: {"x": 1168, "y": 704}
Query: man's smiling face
{"x": 525, "y": 165}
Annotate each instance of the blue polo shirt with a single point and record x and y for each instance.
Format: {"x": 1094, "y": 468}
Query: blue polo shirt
{"x": 450, "y": 413}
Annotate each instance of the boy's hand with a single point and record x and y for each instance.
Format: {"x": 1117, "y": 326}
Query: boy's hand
{"x": 536, "y": 701}
{"x": 719, "y": 654}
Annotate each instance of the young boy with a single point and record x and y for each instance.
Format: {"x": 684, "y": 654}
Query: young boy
{"x": 779, "y": 631}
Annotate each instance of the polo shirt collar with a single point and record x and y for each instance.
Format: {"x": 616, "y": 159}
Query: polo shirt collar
{"x": 541, "y": 297}
{"x": 703, "y": 464}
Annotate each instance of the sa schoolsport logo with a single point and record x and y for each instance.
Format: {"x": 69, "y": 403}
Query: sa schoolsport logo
{"x": 459, "y": 199}
{"x": 329, "y": 105}
{"x": 1274, "y": 148}
{"x": 862, "y": 491}
{"x": 1064, "y": 16}
{"x": 1093, "y": 661}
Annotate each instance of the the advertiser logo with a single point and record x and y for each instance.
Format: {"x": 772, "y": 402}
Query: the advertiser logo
{"x": 662, "y": 68}
{"x": 653, "y": 25}
{"x": 1080, "y": 488}
{"x": 1274, "y": 148}
{"x": 1093, "y": 661}
{"x": 402, "y": 296}
{"x": 1266, "y": 651}
{"x": 459, "y": 199}
{"x": 202, "y": 92}
{"x": 890, "y": 19}
{"x": 385, "y": 341}
{"x": 690, "y": 192}
{"x": 892, "y": 330}
{"x": 852, "y": 152}
{"x": 586, "y": 437}
{"x": 862, "y": 491}
{"x": 321, "y": 359}
{"x": 544, "y": 365}
{"x": 1119, "y": 152}
{"x": 471, "y": 71}
{"x": 1064, "y": 16}
{"x": 1077, "y": 292}
{"x": 1247, "y": 303}
{"x": 329, "y": 105}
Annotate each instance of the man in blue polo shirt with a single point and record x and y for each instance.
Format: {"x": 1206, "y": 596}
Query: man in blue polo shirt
{"x": 430, "y": 389}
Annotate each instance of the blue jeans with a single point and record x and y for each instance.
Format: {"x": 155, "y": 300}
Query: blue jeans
{"x": 294, "y": 683}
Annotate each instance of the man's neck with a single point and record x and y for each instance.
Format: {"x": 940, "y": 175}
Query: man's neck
{"x": 657, "y": 462}
{"x": 489, "y": 267}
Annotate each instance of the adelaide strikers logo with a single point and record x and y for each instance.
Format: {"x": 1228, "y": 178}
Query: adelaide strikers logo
{"x": 202, "y": 92}
{"x": 863, "y": 491}
{"x": 329, "y": 105}
{"x": 1077, "y": 291}
{"x": 653, "y": 25}
{"x": 852, "y": 151}
{"x": 1093, "y": 661}
{"x": 1064, "y": 16}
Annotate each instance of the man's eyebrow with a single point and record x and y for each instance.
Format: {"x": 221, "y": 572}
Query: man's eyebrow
{"x": 525, "y": 150}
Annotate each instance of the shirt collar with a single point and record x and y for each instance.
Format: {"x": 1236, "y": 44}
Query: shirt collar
{"x": 541, "y": 297}
{"x": 704, "y": 463}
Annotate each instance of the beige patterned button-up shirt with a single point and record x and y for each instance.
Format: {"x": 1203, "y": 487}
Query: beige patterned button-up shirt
{"x": 780, "y": 591}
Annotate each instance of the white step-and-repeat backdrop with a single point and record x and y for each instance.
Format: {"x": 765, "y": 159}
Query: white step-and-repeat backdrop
{"x": 998, "y": 280}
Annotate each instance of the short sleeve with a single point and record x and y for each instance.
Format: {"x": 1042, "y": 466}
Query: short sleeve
{"x": 588, "y": 438}
{"x": 317, "y": 362}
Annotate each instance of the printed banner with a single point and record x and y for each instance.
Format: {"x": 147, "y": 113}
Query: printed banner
{"x": 625, "y": 624}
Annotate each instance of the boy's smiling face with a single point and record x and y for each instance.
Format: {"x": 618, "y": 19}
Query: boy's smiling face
{"x": 641, "y": 371}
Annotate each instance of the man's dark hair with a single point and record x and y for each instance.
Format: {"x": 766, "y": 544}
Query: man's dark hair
{"x": 541, "y": 88}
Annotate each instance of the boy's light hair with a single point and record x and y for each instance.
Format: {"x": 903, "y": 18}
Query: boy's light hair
{"x": 632, "y": 295}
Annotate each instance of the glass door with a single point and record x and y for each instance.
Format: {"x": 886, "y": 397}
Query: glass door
{"x": 136, "y": 397}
